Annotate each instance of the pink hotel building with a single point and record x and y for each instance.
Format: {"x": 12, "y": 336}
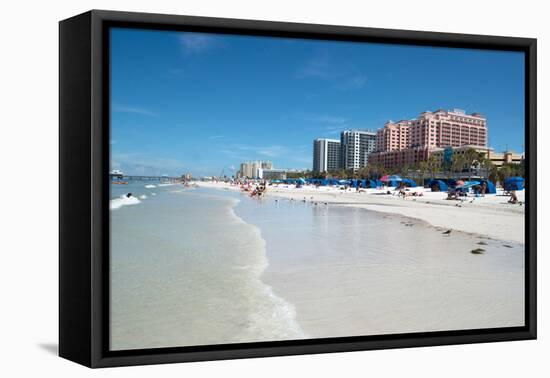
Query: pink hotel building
{"x": 409, "y": 142}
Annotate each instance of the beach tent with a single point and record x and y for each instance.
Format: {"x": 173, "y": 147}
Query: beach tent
{"x": 276, "y": 181}
{"x": 301, "y": 181}
{"x": 373, "y": 184}
{"x": 490, "y": 187}
{"x": 409, "y": 183}
{"x": 467, "y": 185}
{"x": 437, "y": 186}
{"x": 391, "y": 180}
{"x": 324, "y": 182}
{"x": 513, "y": 183}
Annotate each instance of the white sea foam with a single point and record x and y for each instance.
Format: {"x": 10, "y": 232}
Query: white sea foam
{"x": 123, "y": 201}
{"x": 150, "y": 186}
{"x": 143, "y": 196}
{"x": 275, "y": 318}
{"x": 170, "y": 184}
{"x": 153, "y": 194}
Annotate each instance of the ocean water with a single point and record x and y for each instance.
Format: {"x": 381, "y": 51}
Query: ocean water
{"x": 185, "y": 270}
{"x": 204, "y": 266}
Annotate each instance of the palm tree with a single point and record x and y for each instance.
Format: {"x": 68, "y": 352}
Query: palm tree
{"x": 471, "y": 157}
{"x": 422, "y": 168}
{"x": 457, "y": 163}
{"x": 364, "y": 172}
{"x": 432, "y": 165}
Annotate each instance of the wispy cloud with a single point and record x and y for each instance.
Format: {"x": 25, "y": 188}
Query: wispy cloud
{"x": 250, "y": 152}
{"x": 355, "y": 81}
{"x": 146, "y": 164}
{"x": 316, "y": 67}
{"x": 196, "y": 42}
{"x": 216, "y": 137}
{"x": 326, "y": 119}
{"x": 333, "y": 130}
{"x": 342, "y": 76}
{"x": 132, "y": 109}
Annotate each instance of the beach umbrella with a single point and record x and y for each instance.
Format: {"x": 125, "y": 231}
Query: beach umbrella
{"x": 468, "y": 184}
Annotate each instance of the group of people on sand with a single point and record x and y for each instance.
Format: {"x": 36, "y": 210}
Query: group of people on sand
{"x": 259, "y": 189}
{"x": 404, "y": 193}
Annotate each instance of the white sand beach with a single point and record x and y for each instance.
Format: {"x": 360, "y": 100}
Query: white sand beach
{"x": 355, "y": 273}
{"x": 490, "y": 216}
{"x": 310, "y": 263}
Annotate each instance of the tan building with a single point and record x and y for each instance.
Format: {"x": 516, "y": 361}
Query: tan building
{"x": 497, "y": 158}
{"x": 250, "y": 169}
{"x": 401, "y": 158}
{"x": 508, "y": 157}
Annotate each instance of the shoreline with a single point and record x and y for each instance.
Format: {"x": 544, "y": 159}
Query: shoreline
{"x": 341, "y": 286}
{"x": 490, "y": 216}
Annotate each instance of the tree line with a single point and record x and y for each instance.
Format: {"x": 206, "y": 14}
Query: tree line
{"x": 467, "y": 162}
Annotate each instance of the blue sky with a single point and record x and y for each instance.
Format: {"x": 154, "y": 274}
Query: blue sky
{"x": 203, "y": 103}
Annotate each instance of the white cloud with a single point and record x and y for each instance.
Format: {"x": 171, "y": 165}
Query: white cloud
{"x": 196, "y": 42}
{"x": 342, "y": 76}
{"x": 130, "y": 109}
{"x": 146, "y": 164}
{"x": 316, "y": 67}
{"x": 216, "y": 137}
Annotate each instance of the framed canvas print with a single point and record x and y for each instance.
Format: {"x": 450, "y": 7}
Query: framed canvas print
{"x": 234, "y": 188}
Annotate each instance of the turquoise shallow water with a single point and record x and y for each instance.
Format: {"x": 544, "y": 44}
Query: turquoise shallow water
{"x": 185, "y": 270}
{"x": 204, "y": 266}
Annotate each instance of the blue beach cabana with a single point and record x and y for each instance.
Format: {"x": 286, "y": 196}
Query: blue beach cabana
{"x": 489, "y": 187}
{"x": 409, "y": 183}
{"x": 437, "y": 186}
{"x": 513, "y": 183}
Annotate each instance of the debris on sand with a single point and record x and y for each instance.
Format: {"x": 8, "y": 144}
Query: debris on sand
{"x": 482, "y": 243}
{"x": 448, "y": 232}
{"x": 477, "y": 251}
{"x": 507, "y": 246}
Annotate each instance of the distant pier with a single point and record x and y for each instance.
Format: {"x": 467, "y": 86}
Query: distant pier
{"x": 121, "y": 177}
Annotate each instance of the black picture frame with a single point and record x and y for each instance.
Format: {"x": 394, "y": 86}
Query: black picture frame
{"x": 84, "y": 190}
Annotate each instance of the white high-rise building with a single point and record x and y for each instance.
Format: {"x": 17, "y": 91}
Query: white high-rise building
{"x": 252, "y": 169}
{"x": 326, "y": 155}
{"x": 356, "y": 145}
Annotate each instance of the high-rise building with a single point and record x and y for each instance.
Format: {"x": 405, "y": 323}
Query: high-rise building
{"x": 326, "y": 155}
{"x": 393, "y": 136}
{"x": 409, "y": 142}
{"x": 452, "y": 128}
{"x": 356, "y": 145}
{"x": 251, "y": 169}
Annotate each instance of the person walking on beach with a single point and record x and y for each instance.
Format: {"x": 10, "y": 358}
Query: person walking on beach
{"x": 513, "y": 197}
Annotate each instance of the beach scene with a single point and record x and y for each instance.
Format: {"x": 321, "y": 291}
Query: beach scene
{"x": 271, "y": 189}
